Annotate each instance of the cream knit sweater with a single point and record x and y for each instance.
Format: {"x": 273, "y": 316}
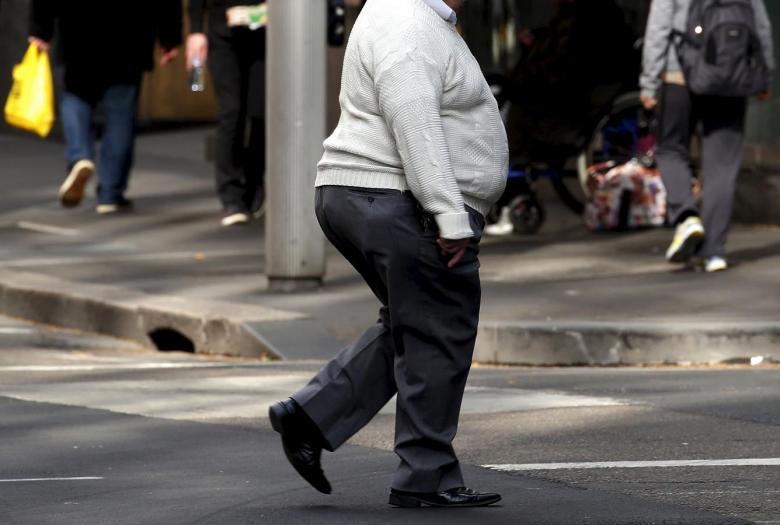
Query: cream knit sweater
{"x": 417, "y": 115}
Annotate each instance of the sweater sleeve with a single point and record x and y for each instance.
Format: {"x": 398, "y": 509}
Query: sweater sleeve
{"x": 43, "y": 14}
{"x": 409, "y": 87}
{"x": 658, "y": 38}
{"x": 196, "y": 10}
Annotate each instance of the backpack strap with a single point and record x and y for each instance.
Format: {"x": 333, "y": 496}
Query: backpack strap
{"x": 711, "y": 52}
{"x": 682, "y": 37}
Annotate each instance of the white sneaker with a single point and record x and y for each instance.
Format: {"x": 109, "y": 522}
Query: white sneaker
{"x": 503, "y": 226}
{"x": 123, "y": 206}
{"x": 688, "y": 236}
{"x": 72, "y": 190}
{"x": 715, "y": 264}
{"x": 233, "y": 219}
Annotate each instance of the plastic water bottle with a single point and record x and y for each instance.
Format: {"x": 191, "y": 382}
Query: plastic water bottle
{"x": 197, "y": 76}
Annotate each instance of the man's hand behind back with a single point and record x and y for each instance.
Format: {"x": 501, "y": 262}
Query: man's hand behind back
{"x": 454, "y": 248}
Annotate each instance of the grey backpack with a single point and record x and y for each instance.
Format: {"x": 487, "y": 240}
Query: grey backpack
{"x": 720, "y": 50}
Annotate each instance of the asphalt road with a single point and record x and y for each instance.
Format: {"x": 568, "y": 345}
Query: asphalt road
{"x": 96, "y": 431}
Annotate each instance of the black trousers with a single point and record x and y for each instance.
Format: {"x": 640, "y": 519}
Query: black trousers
{"x": 723, "y": 127}
{"x": 421, "y": 346}
{"x": 237, "y": 64}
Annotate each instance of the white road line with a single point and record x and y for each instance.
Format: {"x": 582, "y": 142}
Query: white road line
{"x": 25, "y": 480}
{"x": 748, "y": 462}
{"x": 9, "y": 330}
{"x": 47, "y": 228}
{"x": 118, "y": 366}
{"x": 716, "y": 492}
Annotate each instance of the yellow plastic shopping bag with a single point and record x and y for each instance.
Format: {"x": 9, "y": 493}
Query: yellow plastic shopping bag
{"x": 30, "y": 105}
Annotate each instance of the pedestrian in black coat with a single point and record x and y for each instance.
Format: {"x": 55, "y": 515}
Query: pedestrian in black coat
{"x": 105, "y": 47}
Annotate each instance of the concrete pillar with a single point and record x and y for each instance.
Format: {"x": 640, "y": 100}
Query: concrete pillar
{"x": 296, "y": 96}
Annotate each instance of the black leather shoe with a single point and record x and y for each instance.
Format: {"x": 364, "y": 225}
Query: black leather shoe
{"x": 457, "y": 497}
{"x": 301, "y": 442}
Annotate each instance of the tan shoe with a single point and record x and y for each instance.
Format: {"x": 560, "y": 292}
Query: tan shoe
{"x": 235, "y": 219}
{"x": 72, "y": 190}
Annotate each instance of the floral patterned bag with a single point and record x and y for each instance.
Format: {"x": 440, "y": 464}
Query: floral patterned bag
{"x": 625, "y": 196}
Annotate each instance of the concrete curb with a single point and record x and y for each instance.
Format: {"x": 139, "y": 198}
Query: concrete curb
{"x": 255, "y": 331}
{"x": 630, "y": 343}
{"x": 206, "y": 326}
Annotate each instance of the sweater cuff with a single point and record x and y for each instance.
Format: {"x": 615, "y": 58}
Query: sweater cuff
{"x": 454, "y": 226}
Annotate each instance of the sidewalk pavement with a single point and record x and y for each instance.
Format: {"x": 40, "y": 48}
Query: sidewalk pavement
{"x": 169, "y": 275}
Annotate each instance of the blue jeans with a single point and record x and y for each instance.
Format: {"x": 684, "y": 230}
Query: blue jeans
{"x": 116, "y": 154}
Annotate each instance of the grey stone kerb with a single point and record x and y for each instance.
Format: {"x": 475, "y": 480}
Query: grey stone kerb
{"x": 256, "y": 331}
{"x": 205, "y": 326}
{"x": 623, "y": 343}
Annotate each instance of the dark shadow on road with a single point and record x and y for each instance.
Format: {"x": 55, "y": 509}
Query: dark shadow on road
{"x": 755, "y": 254}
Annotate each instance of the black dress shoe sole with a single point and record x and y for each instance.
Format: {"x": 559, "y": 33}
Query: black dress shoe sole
{"x": 409, "y": 502}
{"x": 279, "y": 415}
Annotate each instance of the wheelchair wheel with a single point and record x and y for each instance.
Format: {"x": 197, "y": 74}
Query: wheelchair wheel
{"x": 527, "y": 214}
{"x": 615, "y": 137}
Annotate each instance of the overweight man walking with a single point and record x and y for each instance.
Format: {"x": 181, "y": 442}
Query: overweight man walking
{"x": 419, "y": 156}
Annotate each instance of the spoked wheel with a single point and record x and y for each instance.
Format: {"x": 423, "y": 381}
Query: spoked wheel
{"x": 527, "y": 214}
{"x": 615, "y": 137}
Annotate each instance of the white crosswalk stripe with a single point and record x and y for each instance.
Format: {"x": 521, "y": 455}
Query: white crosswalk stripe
{"x": 33, "y": 480}
{"x": 747, "y": 462}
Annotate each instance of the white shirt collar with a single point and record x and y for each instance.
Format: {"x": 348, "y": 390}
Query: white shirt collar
{"x": 443, "y": 10}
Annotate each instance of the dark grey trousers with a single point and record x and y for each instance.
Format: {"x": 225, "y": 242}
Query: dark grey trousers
{"x": 237, "y": 64}
{"x": 723, "y": 126}
{"x": 422, "y": 344}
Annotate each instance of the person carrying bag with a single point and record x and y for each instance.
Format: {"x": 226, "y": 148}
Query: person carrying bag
{"x": 104, "y": 48}
{"x": 30, "y": 104}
